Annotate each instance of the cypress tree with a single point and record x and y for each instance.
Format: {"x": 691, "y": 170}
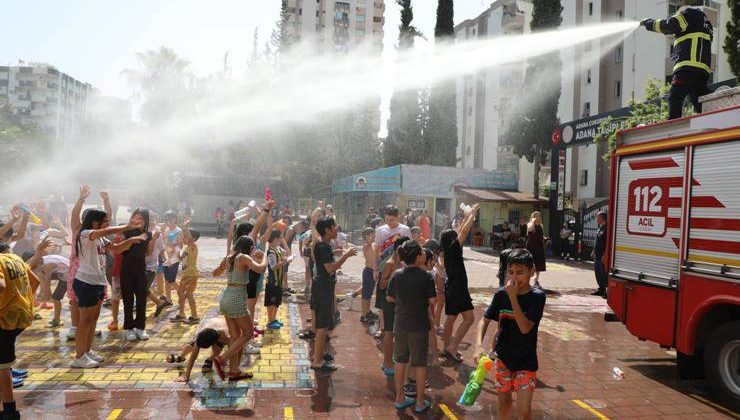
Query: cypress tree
{"x": 732, "y": 40}
{"x": 404, "y": 142}
{"x": 440, "y": 135}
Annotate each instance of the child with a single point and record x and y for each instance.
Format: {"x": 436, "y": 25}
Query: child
{"x": 518, "y": 309}
{"x": 173, "y": 242}
{"x": 214, "y": 335}
{"x": 389, "y": 308}
{"x": 90, "y": 280}
{"x": 233, "y": 303}
{"x": 18, "y": 284}
{"x": 412, "y": 291}
{"x": 416, "y": 235}
{"x": 274, "y": 286}
{"x": 189, "y": 278}
{"x": 323, "y": 285}
{"x": 440, "y": 276}
{"x": 369, "y": 273}
{"x": 457, "y": 295}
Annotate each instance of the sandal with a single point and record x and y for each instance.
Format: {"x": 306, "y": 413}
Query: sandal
{"x": 207, "y": 366}
{"x": 239, "y": 376}
{"x": 378, "y": 335}
{"x": 55, "y": 323}
{"x": 418, "y": 410}
{"x": 218, "y": 365}
{"x": 324, "y": 368}
{"x": 408, "y": 402}
{"x": 457, "y": 357}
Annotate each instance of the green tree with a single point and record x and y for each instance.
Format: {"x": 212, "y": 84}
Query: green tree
{"x": 653, "y": 109}
{"x": 732, "y": 40}
{"x": 22, "y": 142}
{"x": 440, "y": 133}
{"x": 404, "y": 143}
{"x": 532, "y": 125}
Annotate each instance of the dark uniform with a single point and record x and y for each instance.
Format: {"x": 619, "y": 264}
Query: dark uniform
{"x": 691, "y": 56}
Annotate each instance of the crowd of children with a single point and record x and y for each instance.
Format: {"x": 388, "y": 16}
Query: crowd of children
{"x": 415, "y": 278}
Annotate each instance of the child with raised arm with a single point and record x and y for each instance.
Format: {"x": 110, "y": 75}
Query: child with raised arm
{"x": 457, "y": 296}
{"x": 518, "y": 309}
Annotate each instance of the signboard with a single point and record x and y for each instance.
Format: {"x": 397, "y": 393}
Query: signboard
{"x": 441, "y": 181}
{"x": 589, "y": 225}
{"x": 385, "y": 179}
{"x": 417, "y": 203}
{"x": 561, "y": 179}
{"x": 585, "y": 129}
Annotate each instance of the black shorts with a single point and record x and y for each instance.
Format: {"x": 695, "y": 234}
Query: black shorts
{"x": 87, "y": 294}
{"x": 170, "y": 272}
{"x": 457, "y": 302}
{"x": 273, "y": 294}
{"x": 368, "y": 283}
{"x": 389, "y": 316}
{"x": 59, "y": 291}
{"x": 252, "y": 284}
{"x": 379, "y": 297}
{"x": 7, "y": 347}
{"x": 323, "y": 305}
{"x": 411, "y": 347}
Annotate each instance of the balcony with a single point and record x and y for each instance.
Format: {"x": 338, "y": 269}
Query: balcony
{"x": 512, "y": 21}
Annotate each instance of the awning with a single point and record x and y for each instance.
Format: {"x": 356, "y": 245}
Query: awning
{"x": 502, "y": 196}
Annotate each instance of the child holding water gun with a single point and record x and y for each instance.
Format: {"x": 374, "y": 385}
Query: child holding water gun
{"x": 518, "y": 309}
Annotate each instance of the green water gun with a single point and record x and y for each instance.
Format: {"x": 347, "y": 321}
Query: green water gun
{"x": 475, "y": 383}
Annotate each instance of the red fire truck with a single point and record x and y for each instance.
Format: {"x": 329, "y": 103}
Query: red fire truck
{"x": 673, "y": 253}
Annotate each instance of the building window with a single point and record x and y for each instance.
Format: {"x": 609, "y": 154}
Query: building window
{"x": 359, "y": 32}
{"x": 620, "y": 15}
{"x": 618, "y": 89}
{"x": 586, "y": 110}
{"x": 360, "y": 18}
{"x": 467, "y": 150}
{"x": 591, "y": 8}
{"x": 470, "y": 110}
{"x": 377, "y": 19}
{"x": 583, "y": 179}
{"x": 317, "y": 13}
{"x": 514, "y": 217}
{"x": 588, "y": 76}
{"x": 618, "y": 54}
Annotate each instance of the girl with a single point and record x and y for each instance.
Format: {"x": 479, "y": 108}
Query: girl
{"x": 233, "y": 305}
{"x": 189, "y": 278}
{"x": 90, "y": 280}
{"x": 457, "y": 295}
{"x": 134, "y": 284}
{"x": 274, "y": 287}
{"x": 536, "y": 245}
{"x": 440, "y": 276}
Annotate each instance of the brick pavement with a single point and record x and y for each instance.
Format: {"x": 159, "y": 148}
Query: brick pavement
{"x": 577, "y": 351}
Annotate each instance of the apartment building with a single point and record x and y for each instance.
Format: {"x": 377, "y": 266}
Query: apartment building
{"x": 42, "y": 95}
{"x": 337, "y": 25}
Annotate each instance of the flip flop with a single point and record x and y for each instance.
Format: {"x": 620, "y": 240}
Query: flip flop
{"x": 456, "y": 357}
{"x": 218, "y": 366}
{"x": 427, "y": 404}
{"x": 408, "y": 402}
{"x": 388, "y": 371}
{"x": 240, "y": 376}
{"x": 324, "y": 368}
{"x": 207, "y": 366}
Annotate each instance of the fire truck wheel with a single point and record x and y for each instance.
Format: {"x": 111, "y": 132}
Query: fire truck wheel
{"x": 722, "y": 363}
{"x": 690, "y": 366}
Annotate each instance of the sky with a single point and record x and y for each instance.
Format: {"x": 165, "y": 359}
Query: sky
{"x": 94, "y": 40}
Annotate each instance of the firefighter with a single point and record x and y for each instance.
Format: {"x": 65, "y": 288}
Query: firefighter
{"x": 691, "y": 55}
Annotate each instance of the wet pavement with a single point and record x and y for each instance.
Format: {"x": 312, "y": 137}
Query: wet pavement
{"x": 577, "y": 352}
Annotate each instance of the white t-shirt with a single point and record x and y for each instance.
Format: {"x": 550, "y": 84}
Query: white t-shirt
{"x": 385, "y": 236}
{"x": 61, "y": 264}
{"x": 92, "y": 260}
{"x": 152, "y": 261}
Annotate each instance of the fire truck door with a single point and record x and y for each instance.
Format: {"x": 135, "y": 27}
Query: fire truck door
{"x": 649, "y": 206}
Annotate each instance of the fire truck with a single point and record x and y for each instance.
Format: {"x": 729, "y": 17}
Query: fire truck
{"x": 673, "y": 242}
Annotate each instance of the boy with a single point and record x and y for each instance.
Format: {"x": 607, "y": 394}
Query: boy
{"x": 369, "y": 273}
{"x": 274, "y": 286}
{"x": 518, "y": 309}
{"x": 322, "y": 293}
{"x": 416, "y": 235}
{"x": 18, "y": 284}
{"x": 189, "y": 278}
{"x": 412, "y": 290}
